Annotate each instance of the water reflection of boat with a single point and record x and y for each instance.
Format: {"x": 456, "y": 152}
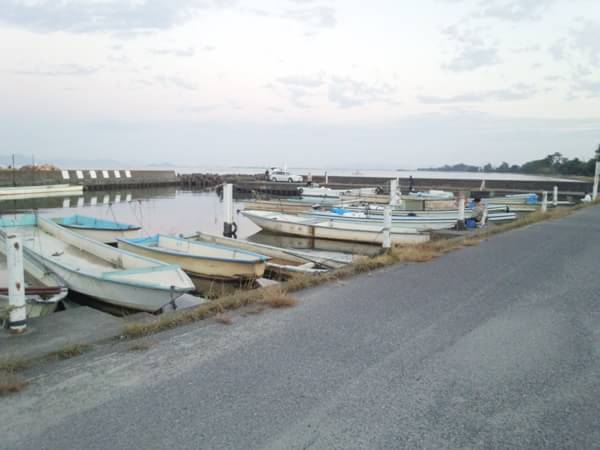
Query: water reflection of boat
{"x": 331, "y": 248}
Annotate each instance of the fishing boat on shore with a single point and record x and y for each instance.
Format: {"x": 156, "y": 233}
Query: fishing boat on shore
{"x": 427, "y": 222}
{"x": 43, "y": 289}
{"x": 101, "y": 230}
{"x": 51, "y": 190}
{"x": 318, "y": 227}
{"x": 199, "y": 259}
{"x": 98, "y": 270}
{"x": 282, "y": 260}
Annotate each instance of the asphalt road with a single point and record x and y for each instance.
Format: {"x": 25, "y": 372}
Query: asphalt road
{"x": 493, "y": 346}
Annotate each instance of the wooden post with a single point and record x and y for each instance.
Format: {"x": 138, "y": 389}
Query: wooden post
{"x": 555, "y": 196}
{"x": 387, "y": 228}
{"x": 394, "y": 192}
{"x": 596, "y": 177}
{"x": 460, "y": 220}
{"x": 17, "y": 321}
{"x": 228, "y": 228}
{"x": 544, "y": 201}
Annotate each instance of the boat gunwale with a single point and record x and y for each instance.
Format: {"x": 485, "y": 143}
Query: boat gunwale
{"x": 156, "y": 263}
{"x": 259, "y": 258}
{"x": 78, "y": 226}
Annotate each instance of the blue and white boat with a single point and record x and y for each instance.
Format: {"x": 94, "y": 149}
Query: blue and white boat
{"x": 199, "y": 259}
{"x": 98, "y": 270}
{"x": 101, "y": 230}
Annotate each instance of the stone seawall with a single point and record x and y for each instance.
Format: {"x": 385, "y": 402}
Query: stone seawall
{"x": 90, "y": 179}
{"x": 572, "y": 187}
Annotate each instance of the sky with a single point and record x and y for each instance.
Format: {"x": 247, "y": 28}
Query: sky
{"x": 307, "y": 83}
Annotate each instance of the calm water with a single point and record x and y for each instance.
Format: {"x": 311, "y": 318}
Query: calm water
{"x": 159, "y": 210}
{"x": 171, "y": 210}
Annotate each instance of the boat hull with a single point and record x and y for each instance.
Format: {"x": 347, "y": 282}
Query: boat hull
{"x": 139, "y": 298}
{"x": 106, "y": 236}
{"x": 336, "y": 231}
{"x": 202, "y": 268}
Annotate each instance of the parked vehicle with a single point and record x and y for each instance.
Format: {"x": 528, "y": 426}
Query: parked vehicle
{"x": 285, "y": 176}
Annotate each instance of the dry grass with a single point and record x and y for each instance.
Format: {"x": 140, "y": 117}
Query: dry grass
{"x": 70, "y": 351}
{"x": 11, "y": 382}
{"x": 223, "y": 318}
{"x": 278, "y": 297}
{"x": 141, "y": 346}
{"x": 13, "y": 364}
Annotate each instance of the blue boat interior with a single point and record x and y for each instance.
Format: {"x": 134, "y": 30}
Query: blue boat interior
{"x": 79, "y": 221}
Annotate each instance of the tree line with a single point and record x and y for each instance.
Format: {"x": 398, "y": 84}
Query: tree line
{"x": 553, "y": 164}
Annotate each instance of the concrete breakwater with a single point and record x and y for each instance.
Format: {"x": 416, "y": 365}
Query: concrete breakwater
{"x": 256, "y": 184}
{"x": 90, "y": 179}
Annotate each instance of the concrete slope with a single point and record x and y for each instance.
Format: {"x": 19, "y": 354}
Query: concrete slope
{"x": 494, "y": 346}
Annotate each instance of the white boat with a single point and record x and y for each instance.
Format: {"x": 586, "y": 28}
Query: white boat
{"x": 432, "y": 194}
{"x": 325, "y": 192}
{"x": 98, "y": 270}
{"x": 426, "y": 222}
{"x": 21, "y": 192}
{"x": 316, "y": 227}
{"x": 281, "y": 259}
{"x": 199, "y": 259}
{"x": 43, "y": 289}
{"x": 101, "y": 230}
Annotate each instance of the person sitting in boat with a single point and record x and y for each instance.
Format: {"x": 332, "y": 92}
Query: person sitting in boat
{"x": 479, "y": 210}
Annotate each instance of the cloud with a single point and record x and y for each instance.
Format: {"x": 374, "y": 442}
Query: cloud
{"x": 586, "y": 40}
{"x": 302, "y": 81}
{"x": 181, "y": 52}
{"x": 515, "y": 10}
{"x": 586, "y": 88}
{"x": 174, "y": 81}
{"x": 314, "y": 17}
{"x": 84, "y": 16}
{"x": 348, "y": 93}
{"x": 59, "y": 70}
{"x": 472, "y": 58}
{"x": 473, "y": 51}
{"x": 514, "y": 93}
{"x": 318, "y": 16}
{"x": 198, "y": 109}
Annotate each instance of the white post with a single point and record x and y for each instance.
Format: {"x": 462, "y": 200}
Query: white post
{"x": 596, "y": 177}
{"x": 555, "y": 196}
{"x": 460, "y": 220}
{"x": 309, "y": 178}
{"x": 387, "y": 227}
{"x": 228, "y": 210}
{"x": 544, "y": 201}
{"x": 17, "y": 321}
{"x": 394, "y": 192}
